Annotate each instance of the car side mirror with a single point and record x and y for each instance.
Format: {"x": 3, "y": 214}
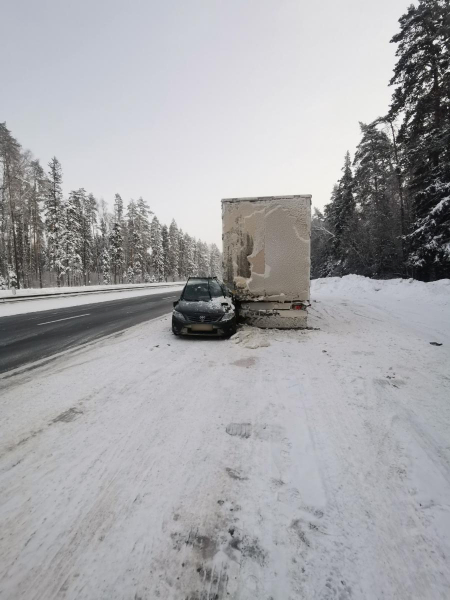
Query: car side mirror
{"x": 175, "y": 303}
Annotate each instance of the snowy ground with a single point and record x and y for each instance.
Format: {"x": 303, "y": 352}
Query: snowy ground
{"x": 54, "y": 302}
{"x": 275, "y": 466}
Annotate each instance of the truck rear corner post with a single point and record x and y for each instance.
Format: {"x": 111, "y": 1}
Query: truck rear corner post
{"x": 266, "y": 258}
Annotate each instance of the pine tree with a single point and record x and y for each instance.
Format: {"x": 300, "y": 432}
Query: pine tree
{"x": 422, "y": 98}
{"x": 182, "y": 263}
{"x": 138, "y": 258}
{"x": 157, "y": 258}
{"x": 322, "y": 264}
{"x": 87, "y": 242}
{"x": 116, "y": 250}
{"x": 118, "y": 209}
{"x": 38, "y": 184}
{"x": 54, "y": 219}
{"x": 106, "y": 266}
{"x": 130, "y": 274}
{"x": 71, "y": 238}
{"x": 10, "y": 157}
{"x": 166, "y": 251}
{"x": 202, "y": 259}
{"x": 12, "y": 278}
{"x": 132, "y": 230}
{"x": 340, "y": 214}
{"x": 174, "y": 251}
{"x": 379, "y": 214}
{"x": 118, "y": 217}
{"x": 92, "y": 213}
{"x": 143, "y": 213}
{"x": 215, "y": 262}
{"x": 189, "y": 247}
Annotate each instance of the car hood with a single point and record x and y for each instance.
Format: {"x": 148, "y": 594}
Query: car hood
{"x": 213, "y": 307}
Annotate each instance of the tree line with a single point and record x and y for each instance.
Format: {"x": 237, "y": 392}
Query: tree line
{"x": 389, "y": 213}
{"x": 48, "y": 239}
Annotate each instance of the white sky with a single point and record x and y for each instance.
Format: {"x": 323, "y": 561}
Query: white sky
{"x": 186, "y": 102}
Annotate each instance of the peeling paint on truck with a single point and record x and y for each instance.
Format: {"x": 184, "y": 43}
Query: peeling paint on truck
{"x": 266, "y": 256}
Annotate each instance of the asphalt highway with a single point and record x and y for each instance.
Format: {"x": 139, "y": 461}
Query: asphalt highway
{"x": 32, "y": 336}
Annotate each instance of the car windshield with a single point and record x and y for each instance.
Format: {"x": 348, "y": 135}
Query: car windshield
{"x": 202, "y": 290}
{"x": 214, "y": 289}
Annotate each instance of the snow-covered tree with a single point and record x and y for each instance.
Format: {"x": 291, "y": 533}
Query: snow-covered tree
{"x": 157, "y": 257}
{"x": 130, "y": 275}
{"x": 174, "y": 251}
{"x": 116, "y": 251}
{"x": 202, "y": 259}
{"x": 322, "y": 264}
{"x": 106, "y": 266}
{"x": 12, "y": 277}
{"x": 215, "y": 262}
{"x": 422, "y": 99}
{"x": 87, "y": 242}
{"x": 375, "y": 186}
{"x": 143, "y": 213}
{"x": 189, "y": 247}
{"x": 166, "y": 251}
{"x": 10, "y": 155}
{"x": 55, "y": 219}
{"x": 118, "y": 209}
{"x": 182, "y": 263}
{"x": 133, "y": 237}
{"x": 340, "y": 214}
{"x": 71, "y": 238}
{"x": 42, "y": 233}
{"x": 38, "y": 185}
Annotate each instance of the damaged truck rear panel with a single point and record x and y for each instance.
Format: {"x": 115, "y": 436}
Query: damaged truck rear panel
{"x": 266, "y": 258}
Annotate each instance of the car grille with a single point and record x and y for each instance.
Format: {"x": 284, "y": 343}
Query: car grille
{"x": 203, "y": 318}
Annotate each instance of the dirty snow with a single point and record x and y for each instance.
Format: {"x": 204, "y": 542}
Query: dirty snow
{"x": 26, "y": 306}
{"x": 276, "y": 465}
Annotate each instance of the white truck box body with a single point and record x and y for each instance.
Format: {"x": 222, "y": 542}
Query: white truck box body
{"x": 266, "y": 257}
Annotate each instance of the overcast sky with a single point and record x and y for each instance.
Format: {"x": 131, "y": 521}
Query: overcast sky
{"x": 185, "y": 102}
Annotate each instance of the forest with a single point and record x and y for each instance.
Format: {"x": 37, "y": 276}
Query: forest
{"x": 389, "y": 213}
{"x": 47, "y": 239}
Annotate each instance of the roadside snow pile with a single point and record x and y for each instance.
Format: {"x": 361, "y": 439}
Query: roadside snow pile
{"x": 252, "y": 337}
{"x": 30, "y": 305}
{"x": 8, "y": 294}
{"x": 357, "y": 286}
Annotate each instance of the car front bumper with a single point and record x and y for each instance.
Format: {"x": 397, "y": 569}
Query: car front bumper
{"x": 217, "y": 329}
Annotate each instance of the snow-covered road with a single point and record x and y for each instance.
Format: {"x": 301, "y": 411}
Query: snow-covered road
{"x": 275, "y": 466}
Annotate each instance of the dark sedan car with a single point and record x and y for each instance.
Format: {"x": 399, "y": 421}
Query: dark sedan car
{"x": 204, "y": 308}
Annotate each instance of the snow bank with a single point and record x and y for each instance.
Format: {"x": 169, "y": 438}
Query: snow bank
{"x": 54, "y": 302}
{"x": 359, "y": 287}
{"x": 7, "y": 294}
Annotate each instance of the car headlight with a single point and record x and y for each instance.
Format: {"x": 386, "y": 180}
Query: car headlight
{"x": 228, "y": 316}
{"x": 179, "y": 315}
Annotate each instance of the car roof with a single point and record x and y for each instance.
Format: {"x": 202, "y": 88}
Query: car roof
{"x": 200, "y": 278}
